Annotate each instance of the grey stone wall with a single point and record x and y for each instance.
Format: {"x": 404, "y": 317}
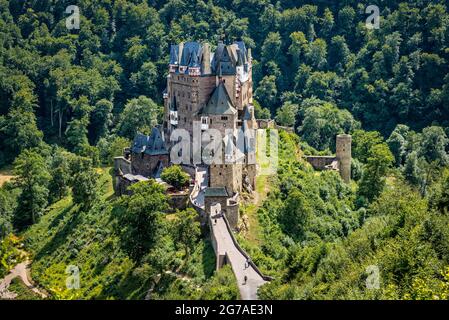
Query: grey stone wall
{"x": 144, "y": 164}
{"x": 226, "y": 175}
{"x": 320, "y": 162}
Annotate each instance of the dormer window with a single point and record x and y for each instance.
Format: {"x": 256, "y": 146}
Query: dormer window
{"x": 204, "y": 123}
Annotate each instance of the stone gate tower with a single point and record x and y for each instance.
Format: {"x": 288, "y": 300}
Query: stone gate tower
{"x": 343, "y": 156}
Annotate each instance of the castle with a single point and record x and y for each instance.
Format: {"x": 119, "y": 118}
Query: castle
{"x": 214, "y": 90}
{"x": 209, "y": 97}
{"x": 208, "y": 93}
{"x": 208, "y": 103}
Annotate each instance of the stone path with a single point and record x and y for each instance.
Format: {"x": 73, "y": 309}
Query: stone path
{"x": 21, "y": 271}
{"x": 225, "y": 245}
{"x": 201, "y": 182}
{"x": 240, "y": 267}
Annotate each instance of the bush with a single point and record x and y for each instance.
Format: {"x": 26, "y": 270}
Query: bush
{"x": 222, "y": 286}
{"x": 175, "y": 176}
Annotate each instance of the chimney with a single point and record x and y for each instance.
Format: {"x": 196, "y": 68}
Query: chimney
{"x": 206, "y": 59}
{"x": 239, "y": 58}
{"x": 249, "y": 55}
{"x": 181, "y": 48}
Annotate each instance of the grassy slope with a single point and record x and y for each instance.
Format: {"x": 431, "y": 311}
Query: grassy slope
{"x": 23, "y": 292}
{"x": 250, "y": 209}
{"x": 264, "y": 183}
{"x": 66, "y": 235}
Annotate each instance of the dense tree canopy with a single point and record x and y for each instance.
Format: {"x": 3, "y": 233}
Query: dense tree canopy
{"x": 139, "y": 217}
{"x": 72, "y": 99}
{"x": 75, "y": 86}
{"x": 32, "y": 178}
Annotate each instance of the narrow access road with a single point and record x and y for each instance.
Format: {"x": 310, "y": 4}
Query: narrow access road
{"x": 21, "y": 271}
{"x": 240, "y": 267}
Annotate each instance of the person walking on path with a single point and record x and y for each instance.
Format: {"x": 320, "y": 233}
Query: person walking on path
{"x": 246, "y": 279}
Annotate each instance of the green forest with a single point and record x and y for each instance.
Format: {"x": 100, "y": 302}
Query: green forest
{"x": 72, "y": 99}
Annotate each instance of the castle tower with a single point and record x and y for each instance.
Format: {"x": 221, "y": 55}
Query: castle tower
{"x": 215, "y": 90}
{"x": 344, "y": 156}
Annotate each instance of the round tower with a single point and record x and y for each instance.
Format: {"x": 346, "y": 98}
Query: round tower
{"x": 344, "y": 156}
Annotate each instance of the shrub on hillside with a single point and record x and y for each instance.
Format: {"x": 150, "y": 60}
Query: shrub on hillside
{"x": 175, "y": 176}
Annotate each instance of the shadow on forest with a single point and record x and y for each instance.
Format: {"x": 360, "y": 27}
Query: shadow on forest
{"x": 61, "y": 236}
{"x": 126, "y": 286}
{"x": 208, "y": 260}
{"x": 60, "y": 216}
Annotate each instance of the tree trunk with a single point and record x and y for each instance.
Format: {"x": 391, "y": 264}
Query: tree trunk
{"x": 51, "y": 113}
{"x": 60, "y": 123}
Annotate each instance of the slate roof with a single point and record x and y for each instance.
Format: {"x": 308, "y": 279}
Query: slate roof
{"x": 240, "y": 58}
{"x": 139, "y": 144}
{"x": 174, "y": 54}
{"x": 191, "y": 54}
{"x": 219, "y": 102}
{"x": 222, "y": 62}
{"x": 243, "y": 51}
{"x": 152, "y": 144}
{"x": 216, "y": 192}
{"x": 229, "y": 145}
{"x": 134, "y": 178}
{"x": 224, "y": 59}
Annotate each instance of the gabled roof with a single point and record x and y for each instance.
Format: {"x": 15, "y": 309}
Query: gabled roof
{"x": 216, "y": 192}
{"x": 229, "y": 145}
{"x": 191, "y": 54}
{"x": 249, "y": 138}
{"x": 219, "y": 102}
{"x": 222, "y": 62}
{"x": 242, "y": 49}
{"x": 140, "y": 142}
{"x": 156, "y": 144}
{"x": 152, "y": 144}
{"x": 195, "y": 60}
{"x": 174, "y": 53}
{"x": 224, "y": 59}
